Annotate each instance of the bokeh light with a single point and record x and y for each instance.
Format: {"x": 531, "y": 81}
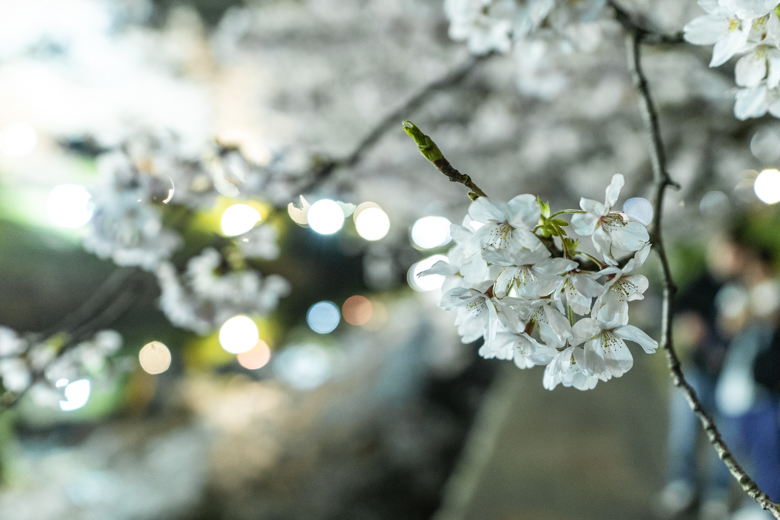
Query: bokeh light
{"x": 429, "y": 282}
{"x": 323, "y": 317}
{"x": 238, "y": 334}
{"x": 155, "y": 358}
{"x": 69, "y": 206}
{"x": 639, "y": 209}
{"x": 238, "y": 219}
{"x": 303, "y": 367}
{"x": 767, "y": 186}
{"x": 430, "y": 232}
{"x": 765, "y": 144}
{"x": 357, "y": 310}
{"x": 18, "y": 139}
{"x": 256, "y": 358}
{"x": 379, "y": 316}
{"x": 714, "y": 203}
{"x": 325, "y": 217}
{"x": 76, "y": 394}
{"x": 372, "y": 224}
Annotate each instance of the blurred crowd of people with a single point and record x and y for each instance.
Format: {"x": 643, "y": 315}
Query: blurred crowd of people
{"x": 729, "y": 317}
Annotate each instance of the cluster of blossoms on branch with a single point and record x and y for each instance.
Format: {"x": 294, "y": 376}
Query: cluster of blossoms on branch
{"x": 44, "y": 366}
{"x": 750, "y": 28}
{"x": 510, "y": 284}
{"x": 534, "y": 29}
{"x": 150, "y": 191}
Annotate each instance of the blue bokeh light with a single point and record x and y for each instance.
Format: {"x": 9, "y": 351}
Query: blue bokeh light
{"x": 323, "y": 317}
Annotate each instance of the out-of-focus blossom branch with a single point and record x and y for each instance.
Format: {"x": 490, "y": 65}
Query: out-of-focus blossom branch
{"x": 662, "y": 181}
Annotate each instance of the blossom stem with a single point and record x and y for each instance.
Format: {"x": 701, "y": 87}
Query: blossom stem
{"x": 571, "y": 315}
{"x": 594, "y": 259}
{"x": 661, "y": 182}
{"x": 431, "y": 152}
{"x": 565, "y": 211}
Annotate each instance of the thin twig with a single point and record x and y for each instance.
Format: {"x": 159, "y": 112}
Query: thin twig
{"x": 661, "y": 182}
{"x": 102, "y": 296}
{"x": 431, "y": 152}
{"x": 327, "y": 167}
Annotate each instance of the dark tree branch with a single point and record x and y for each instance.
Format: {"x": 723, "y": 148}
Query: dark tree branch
{"x": 661, "y": 182}
{"x": 646, "y": 36}
{"x": 327, "y": 167}
{"x": 102, "y": 297}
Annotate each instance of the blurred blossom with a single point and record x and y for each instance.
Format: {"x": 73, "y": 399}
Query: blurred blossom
{"x": 238, "y": 219}
{"x": 202, "y": 298}
{"x": 372, "y": 224}
{"x": 238, "y": 334}
{"x": 15, "y": 374}
{"x": 260, "y": 242}
{"x": 76, "y": 394}
{"x": 303, "y": 367}
{"x": 256, "y": 358}
{"x": 430, "y": 232}
{"x": 10, "y": 342}
{"x": 325, "y": 217}
{"x": 155, "y": 358}
{"x": 714, "y": 203}
{"x": 299, "y": 214}
{"x": 767, "y": 186}
{"x": 426, "y": 283}
{"x": 765, "y": 145}
{"x": 126, "y": 225}
{"x": 17, "y": 139}
{"x": 69, "y": 206}
{"x": 323, "y": 317}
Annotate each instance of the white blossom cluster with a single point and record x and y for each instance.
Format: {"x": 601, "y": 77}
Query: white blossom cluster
{"x": 204, "y": 297}
{"x": 750, "y": 28}
{"x": 494, "y": 25}
{"x": 153, "y": 176}
{"x": 507, "y": 287}
{"x": 41, "y": 367}
{"x": 537, "y": 31}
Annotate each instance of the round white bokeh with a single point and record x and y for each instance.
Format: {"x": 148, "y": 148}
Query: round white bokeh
{"x": 325, "y": 217}
{"x": 238, "y": 334}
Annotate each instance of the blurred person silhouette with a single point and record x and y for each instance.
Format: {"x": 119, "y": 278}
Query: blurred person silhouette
{"x": 711, "y": 309}
{"x": 747, "y": 391}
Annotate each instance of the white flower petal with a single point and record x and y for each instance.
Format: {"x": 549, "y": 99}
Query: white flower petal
{"x": 631, "y": 333}
{"x": 617, "y": 356}
{"x": 706, "y": 30}
{"x": 751, "y": 102}
{"x": 632, "y": 236}
{"x": 585, "y": 330}
{"x": 593, "y": 207}
{"x": 525, "y": 211}
{"x": 484, "y": 209}
{"x": 585, "y": 224}
{"x": 750, "y": 69}
{"x": 729, "y": 45}
{"x": 613, "y": 190}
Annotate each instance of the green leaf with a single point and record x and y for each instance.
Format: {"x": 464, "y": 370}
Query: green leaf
{"x": 559, "y": 222}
